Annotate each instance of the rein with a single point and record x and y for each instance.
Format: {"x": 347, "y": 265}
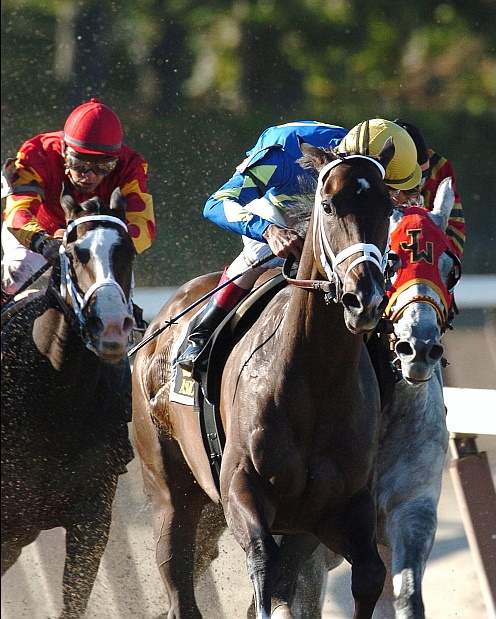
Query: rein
{"x": 329, "y": 288}
{"x": 329, "y": 260}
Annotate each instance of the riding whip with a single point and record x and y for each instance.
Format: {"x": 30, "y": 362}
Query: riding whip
{"x": 26, "y": 284}
{"x": 172, "y": 321}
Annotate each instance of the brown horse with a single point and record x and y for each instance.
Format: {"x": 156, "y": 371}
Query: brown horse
{"x": 299, "y": 402}
{"x": 64, "y": 431}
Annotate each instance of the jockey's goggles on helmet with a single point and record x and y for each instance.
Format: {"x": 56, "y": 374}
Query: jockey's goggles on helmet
{"x": 100, "y": 167}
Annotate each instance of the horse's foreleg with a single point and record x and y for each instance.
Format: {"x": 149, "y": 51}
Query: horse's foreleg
{"x": 13, "y": 541}
{"x": 85, "y": 542}
{"x": 303, "y": 575}
{"x": 246, "y": 515}
{"x": 411, "y": 529}
{"x": 311, "y": 583}
{"x": 351, "y": 532}
{"x": 177, "y": 503}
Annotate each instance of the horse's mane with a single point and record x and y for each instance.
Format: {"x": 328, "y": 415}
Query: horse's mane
{"x": 298, "y": 212}
{"x": 300, "y": 209}
{"x": 308, "y": 164}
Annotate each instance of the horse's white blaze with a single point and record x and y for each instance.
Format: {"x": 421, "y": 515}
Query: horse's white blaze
{"x": 111, "y": 306}
{"x": 100, "y": 243}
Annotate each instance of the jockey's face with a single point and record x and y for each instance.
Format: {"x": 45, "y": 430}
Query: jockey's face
{"x": 405, "y": 197}
{"x": 87, "y": 171}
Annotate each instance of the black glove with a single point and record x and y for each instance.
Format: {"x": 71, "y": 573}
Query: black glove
{"x": 49, "y": 249}
{"x": 44, "y": 244}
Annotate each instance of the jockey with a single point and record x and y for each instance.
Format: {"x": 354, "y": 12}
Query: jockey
{"x": 435, "y": 169}
{"x": 254, "y": 202}
{"x": 86, "y": 159}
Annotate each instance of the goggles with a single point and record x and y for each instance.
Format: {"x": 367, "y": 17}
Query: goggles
{"x": 394, "y": 193}
{"x": 100, "y": 168}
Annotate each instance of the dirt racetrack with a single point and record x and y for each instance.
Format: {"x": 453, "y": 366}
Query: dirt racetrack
{"x": 129, "y": 587}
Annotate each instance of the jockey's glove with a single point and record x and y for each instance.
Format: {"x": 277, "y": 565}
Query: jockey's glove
{"x": 50, "y": 250}
{"x": 47, "y": 246}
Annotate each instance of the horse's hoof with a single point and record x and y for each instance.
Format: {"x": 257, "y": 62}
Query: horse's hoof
{"x": 282, "y": 612}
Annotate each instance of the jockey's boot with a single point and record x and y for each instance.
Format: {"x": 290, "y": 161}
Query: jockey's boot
{"x": 214, "y": 313}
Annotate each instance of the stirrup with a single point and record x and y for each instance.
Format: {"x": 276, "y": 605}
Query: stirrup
{"x": 189, "y": 357}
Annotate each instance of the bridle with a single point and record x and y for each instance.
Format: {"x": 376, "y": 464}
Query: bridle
{"x": 333, "y": 286}
{"x": 68, "y": 288}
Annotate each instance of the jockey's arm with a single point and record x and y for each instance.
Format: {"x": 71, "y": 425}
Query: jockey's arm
{"x": 140, "y": 217}
{"x": 441, "y": 168}
{"x": 20, "y": 207}
{"x": 240, "y": 204}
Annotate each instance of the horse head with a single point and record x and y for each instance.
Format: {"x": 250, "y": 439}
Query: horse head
{"x": 349, "y": 230}
{"x": 96, "y": 273}
{"x": 421, "y": 294}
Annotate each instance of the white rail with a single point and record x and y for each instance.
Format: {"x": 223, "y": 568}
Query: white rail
{"x": 471, "y": 411}
{"x": 473, "y": 291}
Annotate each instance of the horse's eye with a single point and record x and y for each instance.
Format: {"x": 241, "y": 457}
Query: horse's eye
{"x": 327, "y": 206}
{"x": 83, "y": 255}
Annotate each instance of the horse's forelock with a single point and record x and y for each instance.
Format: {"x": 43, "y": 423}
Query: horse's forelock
{"x": 95, "y": 206}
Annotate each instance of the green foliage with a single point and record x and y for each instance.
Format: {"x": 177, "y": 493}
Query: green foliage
{"x": 195, "y": 82}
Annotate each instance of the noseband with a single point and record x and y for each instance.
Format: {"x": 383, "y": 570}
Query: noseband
{"x": 328, "y": 259}
{"x": 67, "y": 283}
{"x": 394, "y": 314}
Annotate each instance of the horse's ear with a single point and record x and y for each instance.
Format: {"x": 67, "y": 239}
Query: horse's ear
{"x": 444, "y": 201}
{"x": 386, "y": 153}
{"x": 118, "y": 204}
{"x": 313, "y": 156}
{"x": 69, "y": 206}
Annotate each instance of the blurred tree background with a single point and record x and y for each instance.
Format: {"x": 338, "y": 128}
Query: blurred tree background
{"x": 195, "y": 82}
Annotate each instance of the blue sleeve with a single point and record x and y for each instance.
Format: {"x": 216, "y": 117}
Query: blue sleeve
{"x": 229, "y": 207}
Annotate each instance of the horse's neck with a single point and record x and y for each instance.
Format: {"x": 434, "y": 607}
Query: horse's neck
{"x": 316, "y": 332}
{"x": 56, "y": 340}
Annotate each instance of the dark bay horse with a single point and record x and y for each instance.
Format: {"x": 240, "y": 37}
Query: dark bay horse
{"x": 413, "y": 437}
{"x": 299, "y": 402}
{"x": 64, "y": 432}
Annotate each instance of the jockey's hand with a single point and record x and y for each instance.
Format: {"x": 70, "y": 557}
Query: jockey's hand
{"x": 283, "y": 241}
{"x": 50, "y": 250}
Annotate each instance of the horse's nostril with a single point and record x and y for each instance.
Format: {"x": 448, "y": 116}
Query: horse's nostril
{"x": 128, "y": 325}
{"x": 93, "y": 326}
{"x": 351, "y": 301}
{"x": 436, "y": 352}
{"x": 404, "y": 349}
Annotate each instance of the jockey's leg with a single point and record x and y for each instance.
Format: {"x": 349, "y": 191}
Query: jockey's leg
{"x": 214, "y": 313}
{"x": 18, "y": 263}
{"x": 226, "y": 299}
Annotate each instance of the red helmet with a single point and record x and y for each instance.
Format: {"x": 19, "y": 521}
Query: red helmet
{"x": 93, "y": 129}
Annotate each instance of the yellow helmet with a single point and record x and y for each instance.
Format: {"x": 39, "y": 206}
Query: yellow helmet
{"x": 368, "y": 137}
